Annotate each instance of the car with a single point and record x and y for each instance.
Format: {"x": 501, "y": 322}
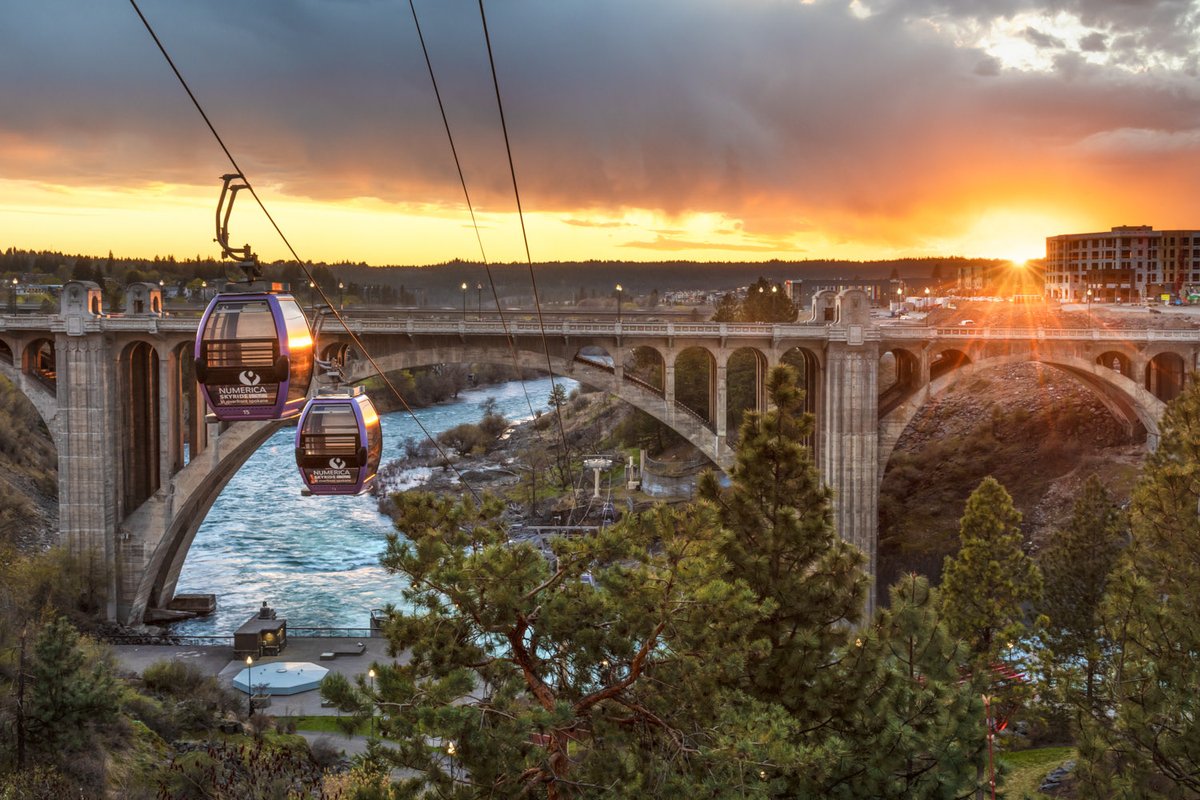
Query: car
{"x": 967, "y": 322}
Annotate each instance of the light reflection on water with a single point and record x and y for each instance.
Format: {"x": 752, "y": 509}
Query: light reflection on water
{"x": 314, "y": 559}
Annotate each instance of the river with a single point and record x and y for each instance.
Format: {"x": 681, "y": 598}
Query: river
{"x": 315, "y": 560}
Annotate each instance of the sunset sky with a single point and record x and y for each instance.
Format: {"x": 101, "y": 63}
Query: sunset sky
{"x": 641, "y": 129}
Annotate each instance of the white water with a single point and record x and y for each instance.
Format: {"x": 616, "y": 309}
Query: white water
{"x": 315, "y": 560}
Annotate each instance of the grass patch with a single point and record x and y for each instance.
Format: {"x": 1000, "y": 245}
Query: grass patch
{"x": 325, "y": 724}
{"x": 1024, "y": 770}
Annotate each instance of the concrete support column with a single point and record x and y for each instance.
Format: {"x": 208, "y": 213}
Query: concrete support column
{"x": 170, "y": 422}
{"x": 720, "y": 390}
{"x": 849, "y": 444}
{"x": 669, "y": 386}
{"x": 618, "y": 377}
{"x": 87, "y": 452}
{"x": 761, "y": 368}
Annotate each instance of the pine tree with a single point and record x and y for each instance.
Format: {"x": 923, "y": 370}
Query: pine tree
{"x": 1145, "y": 734}
{"x": 1075, "y": 568}
{"x": 606, "y": 670}
{"x": 919, "y": 722}
{"x": 767, "y": 302}
{"x": 872, "y": 722}
{"x": 988, "y": 585}
{"x": 782, "y": 543}
{"x": 68, "y": 696}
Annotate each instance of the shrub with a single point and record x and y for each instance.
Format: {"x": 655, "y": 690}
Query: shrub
{"x": 465, "y": 439}
{"x": 325, "y": 752}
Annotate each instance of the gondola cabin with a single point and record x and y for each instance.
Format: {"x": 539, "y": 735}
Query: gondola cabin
{"x": 254, "y": 356}
{"x": 339, "y": 443}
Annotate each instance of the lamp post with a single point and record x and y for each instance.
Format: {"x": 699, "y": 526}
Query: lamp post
{"x": 12, "y": 297}
{"x": 479, "y": 301}
{"x": 341, "y": 295}
{"x": 371, "y": 675}
{"x": 203, "y": 291}
{"x": 250, "y": 682}
{"x": 464, "y": 291}
{"x": 926, "y": 299}
{"x": 620, "y": 291}
{"x": 1089, "y": 306}
{"x": 452, "y": 751}
{"x": 312, "y": 294}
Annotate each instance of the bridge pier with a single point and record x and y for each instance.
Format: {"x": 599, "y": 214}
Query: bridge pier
{"x": 848, "y": 427}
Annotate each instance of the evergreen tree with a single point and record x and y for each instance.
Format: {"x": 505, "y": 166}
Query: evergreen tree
{"x": 1075, "y": 567}
{"x": 783, "y": 545}
{"x": 919, "y": 733}
{"x": 767, "y": 302}
{"x": 68, "y": 696}
{"x": 1143, "y": 740}
{"x": 988, "y": 584}
{"x": 604, "y": 671}
{"x": 558, "y": 396}
{"x": 881, "y": 712}
{"x": 728, "y": 310}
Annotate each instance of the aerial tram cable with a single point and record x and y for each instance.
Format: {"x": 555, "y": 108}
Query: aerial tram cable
{"x": 525, "y": 237}
{"x": 337, "y": 314}
{"x": 512, "y": 347}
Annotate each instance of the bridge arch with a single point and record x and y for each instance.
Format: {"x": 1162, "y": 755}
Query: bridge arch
{"x": 1164, "y": 375}
{"x": 634, "y": 392}
{"x": 745, "y": 386}
{"x": 899, "y": 376}
{"x": 138, "y": 376}
{"x": 648, "y": 366}
{"x": 1125, "y": 399}
{"x": 1118, "y": 361}
{"x": 945, "y": 360}
{"x": 696, "y": 382}
{"x": 808, "y": 364}
{"x": 39, "y": 361}
{"x": 6, "y": 352}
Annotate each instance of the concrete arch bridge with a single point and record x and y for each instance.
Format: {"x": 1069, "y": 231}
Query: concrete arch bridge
{"x": 139, "y": 468}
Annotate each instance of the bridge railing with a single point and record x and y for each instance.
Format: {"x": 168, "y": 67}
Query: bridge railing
{"x": 372, "y": 323}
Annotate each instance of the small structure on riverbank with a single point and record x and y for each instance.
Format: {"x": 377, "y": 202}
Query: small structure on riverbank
{"x": 261, "y": 635}
{"x": 280, "y": 678}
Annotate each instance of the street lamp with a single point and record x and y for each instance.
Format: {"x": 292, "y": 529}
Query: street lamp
{"x": 452, "y": 751}
{"x": 203, "y": 290}
{"x": 464, "y": 291}
{"x": 250, "y": 682}
{"x": 12, "y": 297}
{"x": 371, "y": 675}
{"x": 312, "y": 294}
{"x": 341, "y": 295}
{"x": 926, "y": 298}
{"x": 479, "y": 301}
{"x": 1089, "y": 305}
{"x": 620, "y": 290}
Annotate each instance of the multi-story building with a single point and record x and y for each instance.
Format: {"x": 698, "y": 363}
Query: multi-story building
{"x": 1130, "y": 263}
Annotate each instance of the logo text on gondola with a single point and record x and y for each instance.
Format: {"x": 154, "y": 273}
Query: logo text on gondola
{"x": 234, "y": 395}
{"x": 332, "y": 476}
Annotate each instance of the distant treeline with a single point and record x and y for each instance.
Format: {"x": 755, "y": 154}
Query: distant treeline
{"x": 441, "y": 284}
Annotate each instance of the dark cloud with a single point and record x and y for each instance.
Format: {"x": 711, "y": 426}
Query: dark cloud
{"x": 787, "y": 116}
{"x": 1094, "y": 42}
{"x": 1045, "y": 40}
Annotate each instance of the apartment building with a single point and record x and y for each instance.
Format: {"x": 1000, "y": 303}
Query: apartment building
{"x": 1130, "y": 263}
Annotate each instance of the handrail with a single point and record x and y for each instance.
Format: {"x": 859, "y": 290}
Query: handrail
{"x": 371, "y": 324}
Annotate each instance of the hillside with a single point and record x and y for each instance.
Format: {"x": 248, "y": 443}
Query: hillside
{"x": 1037, "y": 431}
{"x": 28, "y": 474}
